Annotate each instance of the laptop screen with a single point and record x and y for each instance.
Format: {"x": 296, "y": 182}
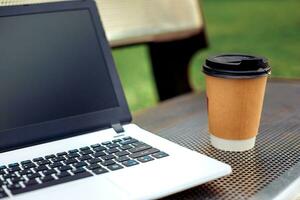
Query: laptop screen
{"x": 51, "y": 67}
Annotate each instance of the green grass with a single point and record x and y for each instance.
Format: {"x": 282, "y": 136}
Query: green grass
{"x": 260, "y": 27}
{"x": 135, "y": 72}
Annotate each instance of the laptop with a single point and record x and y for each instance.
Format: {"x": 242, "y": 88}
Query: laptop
{"x": 65, "y": 126}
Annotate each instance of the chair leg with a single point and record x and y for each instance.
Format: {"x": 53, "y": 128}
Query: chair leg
{"x": 170, "y": 61}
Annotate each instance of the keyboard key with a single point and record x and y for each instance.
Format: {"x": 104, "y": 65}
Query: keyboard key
{"x": 114, "y": 167}
{"x": 138, "y": 144}
{"x": 84, "y": 148}
{"x": 111, "y": 151}
{"x": 3, "y": 194}
{"x": 26, "y": 162}
{"x": 116, "y": 140}
{"x": 99, "y": 154}
{"x": 127, "y": 138}
{"x": 144, "y": 153}
{"x": 2, "y": 172}
{"x": 126, "y": 147}
{"x": 108, "y": 162}
{"x": 25, "y": 172}
{"x": 70, "y": 161}
{"x": 160, "y": 154}
{"x": 80, "y": 164}
{"x": 13, "y": 165}
{"x": 85, "y": 157}
{"x": 29, "y": 166}
{"x": 73, "y": 151}
{"x": 94, "y": 160}
{"x": 95, "y": 145}
{"x": 101, "y": 148}
{"x": 2, "y": 167}
{"x": 2, "y": 183}
{"x": 108, "y": 157}
{"x": 100, "y": 171}
{"x": 122, "y": 153}
{"x": 145, "y": 159}
{"x": 73, "y": 155}
{"x": 30, "y": 182}
{"x": 58, "y": 158}
{"x": 55, "y": 165}
{"x": 10, "y": 175}
{"x": 140, "y": 148}
{"x": 49, "y": 172}
{"x": 50, "y": 156}
{"x": 106, "y": 143}
{"x": 63, "y": 174}
{"x": 16, "y": 179}
{"x": 33, "y": 176}
{"x": 61, "y": 153}
{"x": 86, "y": 152}
{"x": 78, "y": 170}
{"x": 54, "y": 182}
{"x": 130, "y": 163}
{"x": 38, "y": 159}
{"x": 47, "y": 178}
{"x": 122, "y": 159}
{"x": 93, "y": 166}
{"x": 43, "y": 162}
{"x": 64, "y": 168}
{"x": 126, "y": 142}
{"x": 13, "y": 169}
{"x": 111, "y": 146}
{"x": 14, "y": 187}
{"x": 41, "y": 168}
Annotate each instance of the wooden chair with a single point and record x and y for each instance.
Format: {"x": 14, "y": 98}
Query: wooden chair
{"x": 173, "y": 30}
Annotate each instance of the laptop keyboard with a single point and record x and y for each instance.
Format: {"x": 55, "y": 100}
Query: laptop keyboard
{"x": 75, "y": 164}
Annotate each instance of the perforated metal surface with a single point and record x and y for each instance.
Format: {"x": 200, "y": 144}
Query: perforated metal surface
{"x": 252, "y": 170}
{"x": 276, "y": 151}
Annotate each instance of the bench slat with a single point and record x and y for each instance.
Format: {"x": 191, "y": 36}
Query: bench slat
{"x": 139, "y": 21}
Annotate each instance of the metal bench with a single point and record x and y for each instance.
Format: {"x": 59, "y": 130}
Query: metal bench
{"x": 173, "y": 30}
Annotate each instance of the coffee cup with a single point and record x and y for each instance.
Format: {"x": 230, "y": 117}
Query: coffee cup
{"x": 235, "y": 88}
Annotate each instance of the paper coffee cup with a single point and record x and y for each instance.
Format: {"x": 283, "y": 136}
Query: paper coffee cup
{"x": 235, "y": 88}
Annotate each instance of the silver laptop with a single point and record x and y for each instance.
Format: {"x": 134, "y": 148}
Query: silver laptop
{"x": 65, "y": 127}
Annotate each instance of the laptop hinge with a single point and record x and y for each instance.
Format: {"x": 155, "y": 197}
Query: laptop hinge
{"x": 118, "y": 127}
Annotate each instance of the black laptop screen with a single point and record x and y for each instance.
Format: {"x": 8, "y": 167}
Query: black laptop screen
{"x": 51, "y": 67}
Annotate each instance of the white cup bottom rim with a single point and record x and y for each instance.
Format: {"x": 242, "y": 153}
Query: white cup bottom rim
{"x": 232, "y": 145}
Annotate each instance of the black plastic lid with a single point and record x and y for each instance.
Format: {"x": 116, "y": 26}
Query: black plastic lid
{"x": 236, "y": 66}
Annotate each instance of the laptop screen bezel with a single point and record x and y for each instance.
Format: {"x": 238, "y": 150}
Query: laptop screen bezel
{"x": 74, "y": 125}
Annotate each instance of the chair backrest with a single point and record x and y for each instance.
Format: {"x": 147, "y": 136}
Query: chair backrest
{"x": 139, "y": 21}
{"x": 173, "y": 29}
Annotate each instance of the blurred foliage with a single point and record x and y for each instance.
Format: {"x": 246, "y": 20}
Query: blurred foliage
{"x": 134, "y": 68}
{"x": 262, "y": 27}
